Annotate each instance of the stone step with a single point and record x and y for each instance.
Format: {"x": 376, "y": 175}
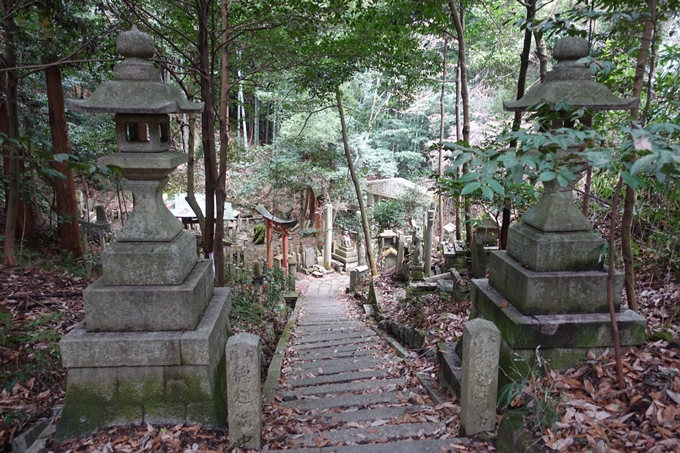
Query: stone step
{"x": 326, "y": 367}
{"x": 348, "y": 401}
{"x": 335, "y": 378}
{"x": 309, "y": 323}
{"x": 330, "y": 336}
{"x": 404, "y": 446}
{"x": 380, "y": 413}
{"x": 336, "y": 327}
{"x": 389, "y": 384}
{"x": 337, "y": 342}
{"x": 320, "y": 354}
{"x": 324, "y": 348}
{"x": 306, "y": 319}
{"x": 450, "y": 364}
{"x": 324, "y": 313}
{"x": 353, "y": 435}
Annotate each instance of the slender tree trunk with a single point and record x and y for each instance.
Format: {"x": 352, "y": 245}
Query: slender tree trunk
{"x": 517, "y": 120}
{"x": 540, "y": 47}
{"x": 221, "y": 191}
{"x": 191, "y": 186}
{"x": 208, "y": 128}
{"x": 459, "y": 137}
{"x": 629, "y": 202}
{"x": 25, "y": 212}
{"x": 442, "y": 111}
{"x": 4, "y": 128}
{"x": 458, "y": 20}
{"x": 357, "y": 187}
{"x": 610, "y": 286}
{"x": 12, "y": 116}
{"x": 64, "y": 189}
{"x": 256, "y": 123}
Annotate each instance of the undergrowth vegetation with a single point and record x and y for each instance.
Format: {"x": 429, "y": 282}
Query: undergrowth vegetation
{"x": 258, "y": 307}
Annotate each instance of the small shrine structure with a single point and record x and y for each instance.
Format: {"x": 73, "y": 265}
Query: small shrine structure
{"x": 281, "y": 225}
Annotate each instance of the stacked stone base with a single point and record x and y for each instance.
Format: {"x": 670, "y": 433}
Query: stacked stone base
{"x": 347, "y": 256}
{"x": 563, "y": 339}
{"x": 156, "y": 377}
{"x": 417, "y": 273}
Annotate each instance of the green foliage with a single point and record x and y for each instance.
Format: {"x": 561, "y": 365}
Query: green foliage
{"x": 258, "y": 312}
{"x": 397, "y": 212}
{"x": 532, "y": 389}
{"x": 259, "y": 233}
{"x": 388, "y": 214}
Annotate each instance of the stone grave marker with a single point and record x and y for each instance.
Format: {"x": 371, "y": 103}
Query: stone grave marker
{"x": 481, "y": 350}
{"x": 429, "y": 235}
{"x": 400, "y": 257}
{"x": 244, "y": 407}
{"x": 352, "y": 280}
{"x": 416, "y": 260}
{"x": 478, "y": 257}
{"x": 310, "y": 258}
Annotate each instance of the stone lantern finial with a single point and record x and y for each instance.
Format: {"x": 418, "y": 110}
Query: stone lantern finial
{"x": 571, "y": 83}
{"x": 137, "y": 87}
{"x": 135, "y": 44}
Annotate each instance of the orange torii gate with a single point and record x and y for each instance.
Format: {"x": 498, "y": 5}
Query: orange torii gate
{"x": 281, "y": 225}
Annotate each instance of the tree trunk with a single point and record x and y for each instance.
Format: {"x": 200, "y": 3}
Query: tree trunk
{"x": 517, "y": 120}
{"x": 191, "y": 189}
{"x": 25, "y": 213}
{"x": 459, "y": 137}
{"x": 357, "y": 187}
{"x": 256, "y": 123}
{"x": 629, "y": 202}
{"x": 441, "y": 138}
{"x": 9, "y": 57}
{"x": 64, "y": 189}
{"x": 207, "y": 128}
{"x": 540, "y": 47}
{"x": 221, "y": 191}
{"x": 610, "y": 286}
{"x": 458, "y": 20}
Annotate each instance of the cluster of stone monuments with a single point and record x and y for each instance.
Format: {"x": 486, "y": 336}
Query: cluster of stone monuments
{"x": 152, "y": 346}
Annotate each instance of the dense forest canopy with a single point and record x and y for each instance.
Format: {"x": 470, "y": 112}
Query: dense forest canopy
{"x": 415, "y": 80}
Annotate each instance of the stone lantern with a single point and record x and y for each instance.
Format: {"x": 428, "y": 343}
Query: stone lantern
{"x": 549, "y": 288}
{"x": 151, "y": 348}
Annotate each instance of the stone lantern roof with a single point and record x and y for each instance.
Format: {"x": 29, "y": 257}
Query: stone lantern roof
{"x": 570, "y": 82}
{"x": 137, "y": 87}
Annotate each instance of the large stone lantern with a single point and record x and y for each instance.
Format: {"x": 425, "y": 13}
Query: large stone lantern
{"x": 549, "y": 288}
{"x": 151, "y": 348}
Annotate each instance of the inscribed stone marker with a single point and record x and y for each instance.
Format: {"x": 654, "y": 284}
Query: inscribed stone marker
{"x": 244, "y": 406}
{"x": 310, "y": 258}
{"x": 481, "y": 350}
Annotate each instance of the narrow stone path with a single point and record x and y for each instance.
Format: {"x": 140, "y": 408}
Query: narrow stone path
{"x": 348, "y": 390}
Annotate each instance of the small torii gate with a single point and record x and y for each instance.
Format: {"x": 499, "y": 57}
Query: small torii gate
{"x": 281, "y": 225}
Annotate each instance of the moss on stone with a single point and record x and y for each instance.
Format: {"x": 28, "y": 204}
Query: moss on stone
{"x": 511, "y": 437}
{"x": 140, "y": 386}
{"x": 80, "y": 419}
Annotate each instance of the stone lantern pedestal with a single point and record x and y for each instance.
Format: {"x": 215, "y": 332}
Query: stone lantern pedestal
{"x": 549, "y": 288}
{"x": 151, "y": 348}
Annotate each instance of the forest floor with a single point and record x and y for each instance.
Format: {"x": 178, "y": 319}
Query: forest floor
{"x": 577, "y": 409}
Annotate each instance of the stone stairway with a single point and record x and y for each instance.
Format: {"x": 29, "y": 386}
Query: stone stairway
{"x": 348, "y": 389}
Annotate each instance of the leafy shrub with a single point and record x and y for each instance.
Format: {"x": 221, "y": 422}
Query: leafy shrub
{"x": 259, "y": 233}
